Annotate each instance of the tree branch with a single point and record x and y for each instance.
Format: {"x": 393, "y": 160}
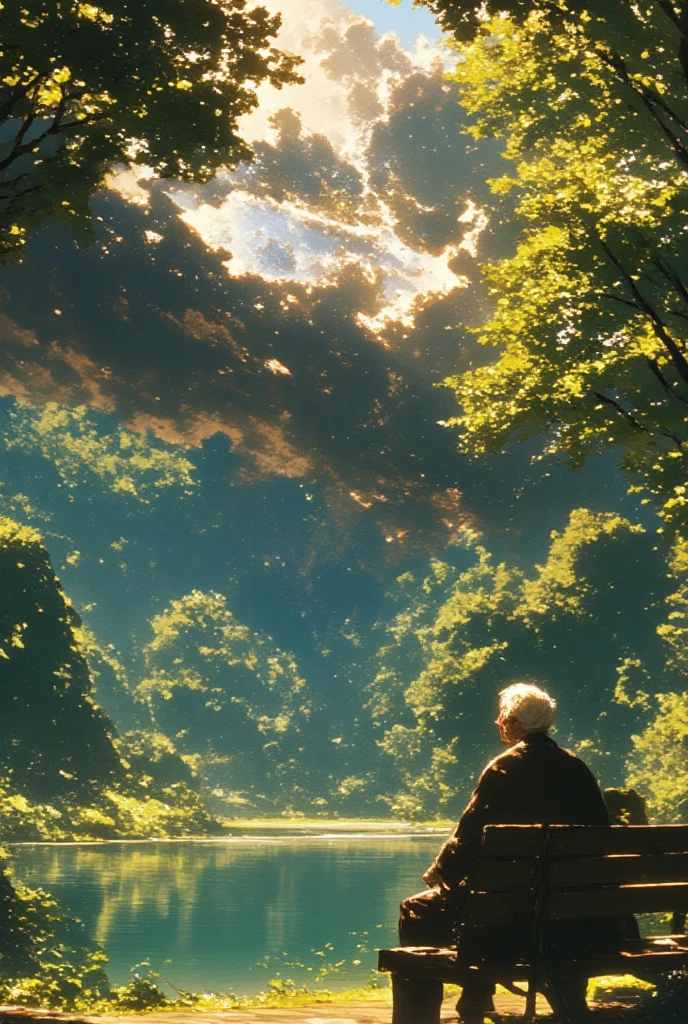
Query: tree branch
{"x": 20, "y": 147}
{"x": 15, "y": 95}
{"x": 677, "y": 357}
{"x": 650, "y": 99}
{"x": 671, "y": 276}
{"x": 618, "y": 298}
{"x": 668, "y": 7}
{"x": 628, "y": 416}
{"x": 673, "y": 437}
{"x": 633, "y": 422}
{"x": 655, "y": 368}
{"x": 17, "y": 195}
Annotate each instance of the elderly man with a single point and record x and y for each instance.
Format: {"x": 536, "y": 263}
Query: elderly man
{"x": 533, "y": 782}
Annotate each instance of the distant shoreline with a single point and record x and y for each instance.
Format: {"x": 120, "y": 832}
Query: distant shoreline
{"x": 272, "y": 829}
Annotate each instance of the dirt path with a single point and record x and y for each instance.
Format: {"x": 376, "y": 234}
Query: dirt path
{"x": 509, "y": 1007}
{"x": 318, "y": 1013}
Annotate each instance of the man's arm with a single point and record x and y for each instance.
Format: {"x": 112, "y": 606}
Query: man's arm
{"x": 461, "y": 852}
{"x": 594, "y": 810}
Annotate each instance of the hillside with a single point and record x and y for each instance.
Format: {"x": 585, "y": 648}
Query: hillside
{"x": 63, "y": 770}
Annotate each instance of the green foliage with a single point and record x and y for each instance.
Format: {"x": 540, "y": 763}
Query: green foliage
{"x": 46, "y": 957}
{"x": 137, "y": 808}
{"x": 63, "y": 775}
{"x": 675, "y": 630}
{"x": 588, "y": 321}
{"x": 54, "y": 740}
{"x": 140, "y": 994}
{"x": 81, "y": 446}
{"x": 109, "y": 676}
{"x": 588, "y": 326}
{"x": 234, "y": 703}
{"x": 153, "y": 82}
{"x": 573, "y": 623}
{"x": 620, "y": 28}
{"x": 589, "y": 314}
{"x": 160, "y": 795}
{"x": 658, "y": 766}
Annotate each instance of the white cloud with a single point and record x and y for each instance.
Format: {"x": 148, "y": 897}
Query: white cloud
{"x": 323, "y": 104}
{"x": 286, "y": 242}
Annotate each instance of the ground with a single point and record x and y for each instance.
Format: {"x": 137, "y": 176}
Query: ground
{"x": 509, "y": 1007}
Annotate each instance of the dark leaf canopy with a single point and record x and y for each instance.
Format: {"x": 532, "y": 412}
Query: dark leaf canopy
{"x": 155, "y": 82}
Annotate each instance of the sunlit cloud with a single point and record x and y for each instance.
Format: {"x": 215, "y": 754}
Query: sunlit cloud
{"x": 130, "y": 182}
{"x": 319, "y": 30}
{"x": 284, "y": 242}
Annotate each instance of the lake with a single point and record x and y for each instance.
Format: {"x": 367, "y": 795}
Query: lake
{"x": 233, "y": 913}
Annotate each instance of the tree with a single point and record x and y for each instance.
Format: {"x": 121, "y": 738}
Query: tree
{"x": 46, "y": 956}
{"x": 82, "y": 446}
{"x": 234, "y": 704}
{"x": 571, "y": 623}
{"x": 464, "y": 18}
{"x": 658, "y": 766}
{"x": 54, "y": 740}
{"x": 155, "y": 82}
{"x": 589, "y": 315}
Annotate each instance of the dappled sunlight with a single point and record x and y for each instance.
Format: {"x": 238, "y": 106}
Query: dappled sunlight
{"x": 344, "y": 384}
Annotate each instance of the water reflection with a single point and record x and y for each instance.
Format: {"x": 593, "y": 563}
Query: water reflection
{"x": 233, "y": 914}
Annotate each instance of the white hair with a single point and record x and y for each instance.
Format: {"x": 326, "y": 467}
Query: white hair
{"x": 533, "y": 708}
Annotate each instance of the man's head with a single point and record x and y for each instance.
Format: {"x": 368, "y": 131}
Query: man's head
{"x": 524, "y": 710}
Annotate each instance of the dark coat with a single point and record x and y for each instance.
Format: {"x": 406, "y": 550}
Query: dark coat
{"x": 535, "y": 782}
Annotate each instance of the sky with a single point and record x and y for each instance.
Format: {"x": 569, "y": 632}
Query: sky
{"x": 405, "y": 20}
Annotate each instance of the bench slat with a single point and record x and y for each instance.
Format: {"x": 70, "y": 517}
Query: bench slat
{"x": 505, "y": 876}
{"x": 512, "y": 841}
{"x": 443, "y": 964}
{"x": 420, "y": 960}
{"x": 515, "y": 842}
{"x": 619, "y": 839}
{"x": 652, "y": 955}
{"x": 502, "y": 908}
{"x": 623, "y": 870}
{"x": 492, "y": 908}
{"x": 626, "y": 899}
{"x": 627, "y": 869}
{"x": 519, "y": 876}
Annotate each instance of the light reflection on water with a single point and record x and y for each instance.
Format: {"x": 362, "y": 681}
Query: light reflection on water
{"x": 233, "y": 914}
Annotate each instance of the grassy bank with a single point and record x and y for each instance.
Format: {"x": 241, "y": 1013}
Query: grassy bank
{"x": 139, "y": 998}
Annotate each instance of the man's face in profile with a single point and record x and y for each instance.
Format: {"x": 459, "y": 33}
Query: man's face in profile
{"x": 510, "y": 731}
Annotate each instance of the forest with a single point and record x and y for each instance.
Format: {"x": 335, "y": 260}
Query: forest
{"x": 321, "y": 426}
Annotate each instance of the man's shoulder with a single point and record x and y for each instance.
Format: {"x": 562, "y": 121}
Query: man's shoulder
{"x": 542, "y": 748}
{"x": 570, "y": 758}
{"x": 504, "y": 762}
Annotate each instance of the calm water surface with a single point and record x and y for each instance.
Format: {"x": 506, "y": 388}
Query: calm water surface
{"x": 232, "y": 914}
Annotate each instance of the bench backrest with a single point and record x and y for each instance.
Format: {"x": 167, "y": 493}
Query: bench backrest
{"x": 573, "y": 871}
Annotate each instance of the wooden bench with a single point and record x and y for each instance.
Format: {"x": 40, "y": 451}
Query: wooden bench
{"x": 534, "y": 875}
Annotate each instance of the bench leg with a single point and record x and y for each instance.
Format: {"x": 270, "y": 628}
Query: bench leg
{"x": 566, "y": 995}
{"x": 415, "y": 1001}
{"x": 531, "y": 997}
